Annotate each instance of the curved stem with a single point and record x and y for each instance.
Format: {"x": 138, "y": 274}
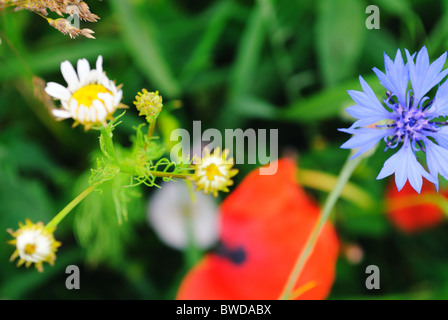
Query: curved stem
{"x": 159, "y": 174}
{"x": 344, "y": 176}
{"x": 64, "y": 212}
{"x": 170, "y": 175}
{"x": 326, "y": 182}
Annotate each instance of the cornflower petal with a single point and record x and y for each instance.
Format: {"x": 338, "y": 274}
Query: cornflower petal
{"x": 396, "y": 78}
{"x": 442, "y": 137}
{"x": 364, "y": 139}
{"x": 411, "y": 119}
{"x": 440, "y": 105}
{"x": 406, "y": 167}
{"x": 423, "y": 75}
{"x": 437, "y": 159}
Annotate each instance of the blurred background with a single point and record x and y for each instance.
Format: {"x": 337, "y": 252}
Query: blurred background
{"x": 262, "y": 64}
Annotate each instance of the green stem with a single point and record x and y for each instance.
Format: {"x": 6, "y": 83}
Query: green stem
{"x": 64, "y": 212}
{"x": 109, "y": 149}
{"x": 160, "y": 174}
{"x": 344, "y": 176}
{"x": 151, "y": 128}
{"x": 170, "y": 175}
{"x": 192, "y": 252}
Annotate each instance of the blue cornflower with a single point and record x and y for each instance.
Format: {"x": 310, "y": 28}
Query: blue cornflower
{"x": 408, "y": 119}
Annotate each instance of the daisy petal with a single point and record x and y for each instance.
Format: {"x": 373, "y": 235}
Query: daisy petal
{"x": 57, "y": 91}
{"x": 99, "y": 64}
{"x": 108, "y": 101}
{"x": 70, "y": 76}
{"x": 63, "y": 114}
{"x": 73, "y": 108}
{"x": 93, "y": 115}
{"x": 118, "y": 97}
{"x": 83, "y": 114}
{"x": 101, "y": 111}
{"x": 83, "y": 71}
{"x": 90, "y": 96}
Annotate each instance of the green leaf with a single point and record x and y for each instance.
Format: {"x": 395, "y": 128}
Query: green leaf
{"x": 167, "y": 123}
{"x": 368, "y": 223}
{"x": 328, "y": 103}
{"x": 49, "y": 59}
{"x": 98, "y": 221}
{"x": 203, "y": 52}
{"x": 105, "y": 171}
{"x": 253, "y": 107}
{"x": 249, "y": 51}
{"x": 23, "y": 281}
{"x": 21, "y": 198}
{"x": 340, "y": 33}
{"x": 245, "y": 67}
{"x": 403, "y": 10}
{"x": 144, "y": 48}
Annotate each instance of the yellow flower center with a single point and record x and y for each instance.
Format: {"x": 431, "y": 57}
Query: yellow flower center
{"x": 87, "y": 94}
{"x": 30, "y": 248}
{"x": 211, "y": 171}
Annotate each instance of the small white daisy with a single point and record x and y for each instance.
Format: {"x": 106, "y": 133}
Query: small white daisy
{"x": 90, "y": 97}
{"x": 34, "y": 244}
{"x": 213, "y": 172}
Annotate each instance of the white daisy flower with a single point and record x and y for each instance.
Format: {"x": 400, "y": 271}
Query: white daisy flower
{"x": 34, "y": 244}
{"x": 90, "y": 97}
{"x": 212, "y": 173}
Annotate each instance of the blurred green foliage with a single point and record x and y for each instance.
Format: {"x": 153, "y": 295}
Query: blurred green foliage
{"x": 232, "y": 63}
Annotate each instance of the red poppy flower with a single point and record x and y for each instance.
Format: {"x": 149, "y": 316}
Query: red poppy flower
{"x": 410, "y": 217}
{"x": 265, "y": 223}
